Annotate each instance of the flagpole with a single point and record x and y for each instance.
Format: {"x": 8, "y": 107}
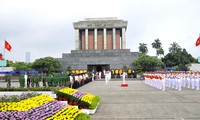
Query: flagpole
{"x": 198, "y": 56}
{"x": 4, "y": 53}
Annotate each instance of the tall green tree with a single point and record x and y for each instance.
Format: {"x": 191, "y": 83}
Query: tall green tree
{"x": 160, "y": 51}
{"x": 143, "y": 48}
{"x": 147, "y": 63}
{"x": 46, "y": 65}
{"x": 20, "y": 66}
{"x": 174, "y": 47}
{"x": 157, "y": 45}
{"x": 178, "y": 58}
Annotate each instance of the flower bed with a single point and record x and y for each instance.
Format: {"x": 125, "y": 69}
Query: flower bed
{"x": 40, "y": 112}
{"x": 26, "y": 104}
{"x": 27, "y": 89}
{"x": 68, "y": 91}
{"x": 68, "y": 113}
{"x": 17, "y": 98}
{"x": 39, "y": 107}
{"x": 19, "y": 91}
{"x": 85, "y": 100}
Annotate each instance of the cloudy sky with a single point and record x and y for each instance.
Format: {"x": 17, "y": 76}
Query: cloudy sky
{"x": 44, "y": 27}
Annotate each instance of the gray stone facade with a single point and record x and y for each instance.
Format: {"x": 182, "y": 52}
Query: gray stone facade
{"x": 87, "y": 33}
{"x": 100, "y": 23}
{"x": 100, "y": 44}
{"x": 116, "y": 59}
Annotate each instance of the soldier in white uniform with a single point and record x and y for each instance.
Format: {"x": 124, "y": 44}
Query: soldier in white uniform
{"x": 145, "y": 78}
{"x": 188, "y": 80}
{"x": 123, "y": 77}
{"x": 162, "y": 77}
{"x": 179, "y": 82}
{"x": 71, "y": 81}
{"x": 197, "y": 81}
{"x": 92, "y": 76}
{"x": 25, "y": 78}
{"x": 171, "y": 80}
{"x": 193, "y": 81}
{"x": 184, "y": 79}
{"x": 176, "y": 80}
{"x": 104, "y": 73}
{"x": 106, "y": 76}
{"x": 99, "y": 74}
{"x": 109, "y": 74}
{"x": 167, "y": 79}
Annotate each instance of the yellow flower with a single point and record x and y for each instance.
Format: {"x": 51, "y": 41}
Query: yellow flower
{"x": 27, "y": 104}
{"x": 88, "y": 98}
{"x": 69, "y": 112}
{"x": 68, "y": 91}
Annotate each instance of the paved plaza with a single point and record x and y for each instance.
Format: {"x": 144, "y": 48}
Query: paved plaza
{"x": 141, "y": 102}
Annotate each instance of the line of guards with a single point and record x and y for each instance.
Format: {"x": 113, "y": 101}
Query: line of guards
{"x": 55, "y": 80}
{"x": 176, "y": 80}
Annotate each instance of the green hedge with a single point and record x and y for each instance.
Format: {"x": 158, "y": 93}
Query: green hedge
{"x": 28, "y": 89}
{"x": 95, "y": 102}
{"x": 83, "y": 116}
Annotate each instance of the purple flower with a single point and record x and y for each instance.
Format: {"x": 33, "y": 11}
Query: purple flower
{"x": 78, "y": 94}
{"x": 39, "y": 113}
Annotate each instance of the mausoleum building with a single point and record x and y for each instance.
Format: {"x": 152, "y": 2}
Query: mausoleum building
{"x": 100, "y": 44}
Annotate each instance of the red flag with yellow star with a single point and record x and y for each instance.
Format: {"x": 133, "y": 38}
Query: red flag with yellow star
{"x": 7, "y": 46}
{"x": 198, "y": 41}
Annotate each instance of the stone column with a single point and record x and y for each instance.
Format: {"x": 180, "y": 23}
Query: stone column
{"x": 86, "y": 39}
{"x": 114, "y": 38}
{"x": 123, "y": 38}
{"x": 104, "y": 38}
{"x": 120, "y": 43}
{"x": 77, "y": 39}
{"x": 95, "y": 39}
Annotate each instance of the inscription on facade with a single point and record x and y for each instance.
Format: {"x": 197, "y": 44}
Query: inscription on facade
{"x": 100, "y": 25}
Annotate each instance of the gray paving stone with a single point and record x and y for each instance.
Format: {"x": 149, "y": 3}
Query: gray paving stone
{"x": 142, "y": 102}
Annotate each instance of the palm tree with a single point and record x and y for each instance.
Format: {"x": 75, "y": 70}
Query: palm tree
{"x": 143, "y": 48}
{"x": 157, "y": 45}
{"x": 174, "y": 47}
{"x": 160, "y": 51}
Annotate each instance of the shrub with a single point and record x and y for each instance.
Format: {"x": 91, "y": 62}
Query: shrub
{"x": 83, "y": 116}
{"x": 95, "y": 102}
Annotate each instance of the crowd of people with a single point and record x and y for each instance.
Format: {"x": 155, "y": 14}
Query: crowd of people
{"x": 107, "y": 74}
{"x": 72, "y": 79}
{"x": 175, "y": 80}
{"x": 77, "y": 80}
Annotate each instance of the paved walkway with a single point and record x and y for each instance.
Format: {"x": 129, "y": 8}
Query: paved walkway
{"x": 142, "y": 102}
